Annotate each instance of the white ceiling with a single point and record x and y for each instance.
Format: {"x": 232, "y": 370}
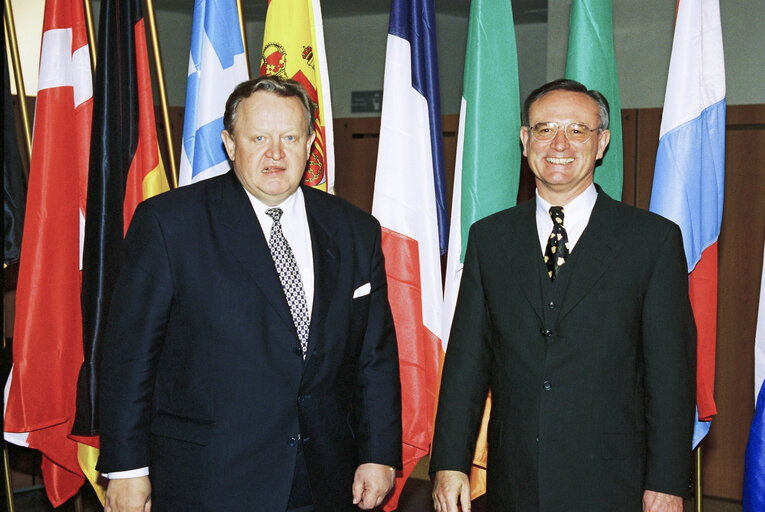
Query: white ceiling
{"x": 524, "y": 11}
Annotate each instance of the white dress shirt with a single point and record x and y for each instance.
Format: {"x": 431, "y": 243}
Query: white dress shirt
{"x": 576, "y": 215}
{"x": 294, "y": 223}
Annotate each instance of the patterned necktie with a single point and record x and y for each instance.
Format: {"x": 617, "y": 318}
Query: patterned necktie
{"x": 289, "y": 275}
{"x": 557, "y": 244}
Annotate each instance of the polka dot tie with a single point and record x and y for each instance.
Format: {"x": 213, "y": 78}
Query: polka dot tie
{"x": 289, "y": 275}
{"x": 557, "y": 245}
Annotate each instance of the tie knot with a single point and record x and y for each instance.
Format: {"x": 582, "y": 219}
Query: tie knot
{"x": 275, "y": 213}
{"x": 556, "y": 213}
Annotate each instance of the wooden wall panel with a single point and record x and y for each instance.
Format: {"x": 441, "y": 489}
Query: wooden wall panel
{"x": 740, "y": 265}
{"x": 356, "y": 141}
{"x": 648, "y": 123}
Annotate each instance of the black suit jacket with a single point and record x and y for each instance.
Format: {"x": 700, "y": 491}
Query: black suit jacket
{"x": 592, "y": 384}
{"x": 202, "y": 377}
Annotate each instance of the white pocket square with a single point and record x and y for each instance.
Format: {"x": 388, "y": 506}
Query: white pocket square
{"x": 362, "y": 290}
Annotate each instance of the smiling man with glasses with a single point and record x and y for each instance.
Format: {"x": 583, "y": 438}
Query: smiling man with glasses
{"x": 574, "y": 311}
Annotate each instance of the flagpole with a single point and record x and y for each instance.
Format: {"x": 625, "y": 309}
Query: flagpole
{"x": 8, "y": 483}
{"x": 21, "y": 95}
{"x": 699, "y": 493}
{"x": 91, "y": 35}
{"x": 244, "y": 35}
{"x": 162, "y": 90}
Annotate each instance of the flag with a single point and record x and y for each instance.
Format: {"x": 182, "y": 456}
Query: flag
{"x": 217, "y": 63}
{"x": 591, "y": 61}
{"x": 125, "y": 168}
{"x": 14, "y": 180}
{"x": 410, "y": 203}
{"x": 293, "y": 47}
{"x": 486, "y": 171}
{"x": 688, "y": 181}
{"x": 47, "y": 351}
{"x": 754, "y": 461}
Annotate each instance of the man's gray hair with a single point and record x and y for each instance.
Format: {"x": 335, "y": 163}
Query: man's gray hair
{"x": 563, "y": 84}
{"x": 272, "y": 84}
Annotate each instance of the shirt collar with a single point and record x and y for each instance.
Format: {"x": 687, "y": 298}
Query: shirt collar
{"x": 577, "y": 209}
{"x": 290, "y": 206}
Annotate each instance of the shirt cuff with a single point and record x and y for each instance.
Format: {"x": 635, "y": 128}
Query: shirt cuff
{"x": 131, "y": 473}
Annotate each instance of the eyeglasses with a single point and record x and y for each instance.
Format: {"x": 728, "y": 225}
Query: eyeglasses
{"x": 575, "y": 132}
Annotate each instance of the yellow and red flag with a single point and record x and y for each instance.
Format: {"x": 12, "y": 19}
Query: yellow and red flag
{"x": 293, "y": 47}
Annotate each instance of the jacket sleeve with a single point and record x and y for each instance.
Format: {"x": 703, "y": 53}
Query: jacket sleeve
{"x": 669, "y": 356}
{"x": 378, "y": 386}
{"x": 466, "y": 374}
{"x": 137, "y": 321}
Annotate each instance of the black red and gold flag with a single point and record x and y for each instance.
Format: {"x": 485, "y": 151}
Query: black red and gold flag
{"x": 125, "y": 168}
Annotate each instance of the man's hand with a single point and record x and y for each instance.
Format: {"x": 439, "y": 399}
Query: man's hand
{"x": 451, "y": 492}
{"x": 371, "y": 484}
{"x": 659, "y": 502}
{"x": 128, "y": 495}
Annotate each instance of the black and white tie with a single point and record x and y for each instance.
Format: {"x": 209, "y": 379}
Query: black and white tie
{"x": 289, "y": 275}
{"x": 557, "y": 245}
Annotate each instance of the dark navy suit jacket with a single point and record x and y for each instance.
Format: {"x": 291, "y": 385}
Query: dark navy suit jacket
{"x": 202, "y": 377}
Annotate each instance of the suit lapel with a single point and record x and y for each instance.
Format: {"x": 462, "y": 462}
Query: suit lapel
{"x": 522, "y": 244}
{"x": 245, "y": 238}
{"x": 326, "y": 260}
{"x": 598, "y": 245}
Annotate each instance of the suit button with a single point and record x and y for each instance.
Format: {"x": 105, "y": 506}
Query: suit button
{"x": 546, "y": 385}
{"x": 551, "y": 305}
{"x": 292, "y": 441}
{"x": 545, "y": 332}
{"x": 301, "y": 398}
{"x": 298, "y": 351}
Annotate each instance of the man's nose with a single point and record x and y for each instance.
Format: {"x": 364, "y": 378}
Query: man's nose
{"x": 560, "y": 141}
{"x": 275, "y": 150}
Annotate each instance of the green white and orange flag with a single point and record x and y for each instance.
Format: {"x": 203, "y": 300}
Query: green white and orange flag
{"x": 591, "y": 60}
{"x": 486, "y": 172}
{"x": 293, "y": 47}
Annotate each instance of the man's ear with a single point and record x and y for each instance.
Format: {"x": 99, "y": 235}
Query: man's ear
{"x": 525, "y": 139}
{"x": 229, "y": 143}
{"x": 309, "y": 143}
{"x": 604, "y": 137}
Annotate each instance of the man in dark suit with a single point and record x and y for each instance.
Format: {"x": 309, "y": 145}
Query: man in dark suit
{"x": 574, "y": 311}
{"x": 251, "y": 362}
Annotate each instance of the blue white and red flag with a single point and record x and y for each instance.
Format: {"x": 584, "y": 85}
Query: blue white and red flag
{"x": 689, "y": 176}
{"x": 410, "y": 203}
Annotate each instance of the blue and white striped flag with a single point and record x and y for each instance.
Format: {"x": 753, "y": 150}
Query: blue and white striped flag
{"x": 216, "y": 65}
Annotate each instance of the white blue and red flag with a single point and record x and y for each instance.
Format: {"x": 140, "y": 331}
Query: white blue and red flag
{"x": 754, "y": 462}
{"x": 216, "y": 65}
{"x": 410, "y": 203}
{"x": 689, "y": 177}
